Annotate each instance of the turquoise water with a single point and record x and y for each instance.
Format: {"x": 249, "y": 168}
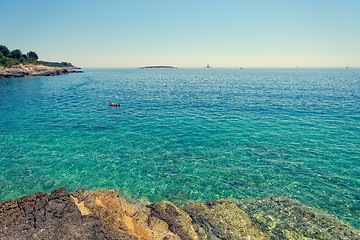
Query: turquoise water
{"x": 187, "y": 134}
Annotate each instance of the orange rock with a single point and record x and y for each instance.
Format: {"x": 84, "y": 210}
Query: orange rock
{"x": 119, "y": 214}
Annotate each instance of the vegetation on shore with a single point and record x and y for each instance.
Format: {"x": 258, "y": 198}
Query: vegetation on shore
{"x": 15, "y": 57}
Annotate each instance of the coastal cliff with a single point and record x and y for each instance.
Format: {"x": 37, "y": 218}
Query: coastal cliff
{"x": 103, "y": 214}
{"x": 23, "y": 70}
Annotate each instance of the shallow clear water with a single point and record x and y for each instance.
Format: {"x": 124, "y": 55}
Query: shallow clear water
{"x": 185, "y": 134}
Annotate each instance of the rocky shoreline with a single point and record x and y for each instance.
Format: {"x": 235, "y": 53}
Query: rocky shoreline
{"x": 24, "y": 70}
{"x": 103, "y": 214}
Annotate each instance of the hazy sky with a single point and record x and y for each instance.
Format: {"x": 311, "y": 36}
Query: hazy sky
{"x": 186, "y": 33}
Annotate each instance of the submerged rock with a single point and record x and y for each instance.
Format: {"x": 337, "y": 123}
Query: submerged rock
{"x": 103, "y": 214}
{"x": 223, "y": 219}
{"x": 284, "y": 218}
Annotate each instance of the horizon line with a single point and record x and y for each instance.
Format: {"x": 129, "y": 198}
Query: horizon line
{"x": 232, "y": 67}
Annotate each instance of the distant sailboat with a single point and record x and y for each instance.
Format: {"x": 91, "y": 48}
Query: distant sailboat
{"x": 347, "y": 66}
{"x": 208, "y": 66}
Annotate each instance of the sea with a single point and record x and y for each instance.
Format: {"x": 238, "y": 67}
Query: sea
{"x": 186, "y": 134}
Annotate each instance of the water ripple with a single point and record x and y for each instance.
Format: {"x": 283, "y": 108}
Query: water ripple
{"x": 187, "y": 134}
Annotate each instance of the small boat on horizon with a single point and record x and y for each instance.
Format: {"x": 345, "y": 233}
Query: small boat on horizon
{"x": 208, "y": 66}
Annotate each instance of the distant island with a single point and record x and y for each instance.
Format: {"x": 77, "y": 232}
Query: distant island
{"x": 157, "y": 67}
{"x": 16, "y": 64}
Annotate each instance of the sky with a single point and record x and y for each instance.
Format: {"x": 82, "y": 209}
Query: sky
{"x": 186, "y": 33}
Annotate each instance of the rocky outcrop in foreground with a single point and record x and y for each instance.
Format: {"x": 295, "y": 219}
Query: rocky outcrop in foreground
{"x": 24, "y": 70}
{"x": 103, "y": 214}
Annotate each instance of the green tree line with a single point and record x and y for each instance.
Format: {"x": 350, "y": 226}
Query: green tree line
{"x": 9, "y": 58}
